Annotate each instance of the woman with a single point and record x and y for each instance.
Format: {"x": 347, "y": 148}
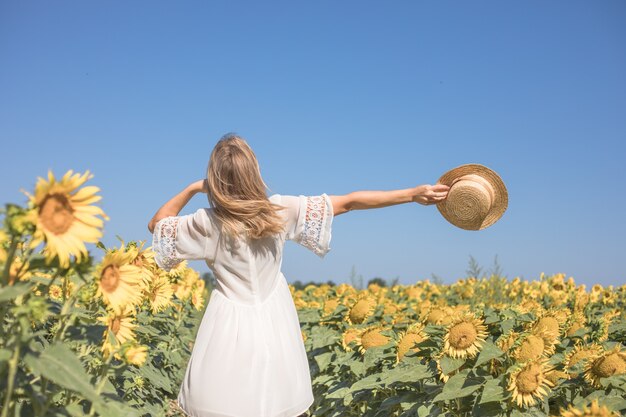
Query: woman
{"x": 249, "y": 359}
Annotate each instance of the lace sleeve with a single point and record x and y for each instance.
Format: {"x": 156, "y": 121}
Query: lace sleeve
{"x": 164, "y": 243}
{"x": 178, "y": 238}
{"x": 313, "y": 227}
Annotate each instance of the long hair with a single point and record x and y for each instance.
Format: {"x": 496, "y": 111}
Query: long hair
{"x": 236, "y": 191}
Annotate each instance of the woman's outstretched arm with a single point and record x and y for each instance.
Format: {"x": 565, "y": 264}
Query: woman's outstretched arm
{"x": 360, "y": 200}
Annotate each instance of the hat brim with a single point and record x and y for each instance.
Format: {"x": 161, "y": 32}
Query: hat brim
{"x": 498, "y": 205}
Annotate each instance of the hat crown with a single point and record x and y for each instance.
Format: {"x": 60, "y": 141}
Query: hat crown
{"x": 476, "y": 199}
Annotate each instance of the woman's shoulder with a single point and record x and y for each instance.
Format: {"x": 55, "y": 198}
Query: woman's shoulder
{"x": 274, "y": 198}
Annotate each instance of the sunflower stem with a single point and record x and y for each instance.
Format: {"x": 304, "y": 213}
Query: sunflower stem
{"x": 6, "y": 274}
{"x": 102, "y": 381}
{"x": 64, "y": 310}
{"x": 11, "y": 378}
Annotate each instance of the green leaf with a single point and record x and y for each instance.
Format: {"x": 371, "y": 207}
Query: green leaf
{"x": 369, "y": 382}
{"x": 61, "y": 366}
{"x": 402, "y": 373}
{"x": 5, "y": 355}
{"x": 507, "y": 325}
{"x": 14, "y": 291}
{"x": 488, "y": 409}
{"x": 487, "y": 352}
{"x": 322, "y": 336}
{"x": 615, "y": 403}
{"x": 357, "y": 367}
{"x": 492, "y": 391}
{"x": 156, "y": 378}
{"x": 323, "y": 360}
{"x": 449, "y": 364}
{"x": 458, "y": 386}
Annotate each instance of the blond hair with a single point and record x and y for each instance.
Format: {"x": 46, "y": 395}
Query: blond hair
{"x": 236, "y": 191}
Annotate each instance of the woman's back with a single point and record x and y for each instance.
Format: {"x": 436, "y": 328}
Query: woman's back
{"x": 249, "y": 353}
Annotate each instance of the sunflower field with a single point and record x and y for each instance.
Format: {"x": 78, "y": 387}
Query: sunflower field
{"x": 85, "y": 338}
{"x": 478, "y": 347}
{"x": 81, "y": 337}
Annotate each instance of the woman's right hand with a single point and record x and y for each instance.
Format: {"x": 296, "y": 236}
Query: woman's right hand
{"x": 430, "y": 194}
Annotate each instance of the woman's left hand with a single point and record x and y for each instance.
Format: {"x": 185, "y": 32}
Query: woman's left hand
{"x": 201, "y": 186}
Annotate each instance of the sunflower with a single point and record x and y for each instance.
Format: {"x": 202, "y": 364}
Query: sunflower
{"x": 413, "y": 293}
{"x": 407, "y": 339}
{"x": 531, "y": 347}
{"x": 464, "y": 336}
{"x": 348, "y": 336}
{"x": 547, "y": 325}
{"x": 330, "y": 305}
{"x": 361, "y": 309}
{"x": 528, "y": 382}
{"x": 435, "y": 315}
{"x": 555, "y": 374}
{"x": 581, "y": 353}
{"x": 592, "y": 410}
{"x": 144, "y": 259}
{"x": 197, "y": 298}
{"x": 63, "y": 216}
{"x": 19, "y": 270}
{"x": 371, "y": 337}
{"x": 391, "y": 308}
{"x": 506, "y": 341}
{"x": 185, "y": 284}
{"x": 605, "y": 364}
{"x": 136, "y": 355}
{"x": 3, "y": 252}
{"x": 55, "y": 292}
{"x": 160, "y": 292}
{"x": 175, "y": 274}
{"x": 604, "y": 324}
{"x": 577, "y": 321}
{"x": 122, "y": 325}
{"x": 299, "y": 303}
{"x": 119, "y": 282}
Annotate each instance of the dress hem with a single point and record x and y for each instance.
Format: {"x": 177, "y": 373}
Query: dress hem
{"x": 207, "y": 413}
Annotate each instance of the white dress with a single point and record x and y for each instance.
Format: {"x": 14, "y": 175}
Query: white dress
{"x": 248, "y": 359}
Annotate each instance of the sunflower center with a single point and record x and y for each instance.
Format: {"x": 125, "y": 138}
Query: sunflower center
{"x": 359, "y": 311}
{"x": 56, "y": 213}
{"x": 531, "y": 348}
{"x": 528, "y": 380}
{"x": 110, "y": 278}
{"x": 462, "y": 335}
{"x": 575, "y": 326}
{"x": 115, "y": 325}
{"x": 579, "y": 356}
{"x": 373, "y": 338}
{"x": 349, "y": 336}
{"x": 611, "y": 364}
{"x": 550, "y": 325}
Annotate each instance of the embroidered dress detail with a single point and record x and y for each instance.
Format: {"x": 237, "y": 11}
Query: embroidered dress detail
{"x": 316, "y": 234}
{"x": 164, "y": 243}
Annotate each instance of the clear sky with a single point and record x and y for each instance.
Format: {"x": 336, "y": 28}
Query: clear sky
{"x": 335, "y": 97}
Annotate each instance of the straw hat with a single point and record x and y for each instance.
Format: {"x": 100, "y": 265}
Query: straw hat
{"x": 477, "y": 197}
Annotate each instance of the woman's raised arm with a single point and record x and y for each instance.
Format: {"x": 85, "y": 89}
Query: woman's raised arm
{"x": 360, "y": 200}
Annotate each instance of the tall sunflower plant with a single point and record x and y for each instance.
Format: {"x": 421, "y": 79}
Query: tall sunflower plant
{"x": 80, "y": 336}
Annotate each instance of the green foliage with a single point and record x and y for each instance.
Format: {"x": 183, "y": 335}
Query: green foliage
{"x": 350, "y": 382}
{"x": 51, "y": 357}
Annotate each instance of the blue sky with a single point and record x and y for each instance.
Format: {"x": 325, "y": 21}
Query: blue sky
{"x": 335, "y": 97}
